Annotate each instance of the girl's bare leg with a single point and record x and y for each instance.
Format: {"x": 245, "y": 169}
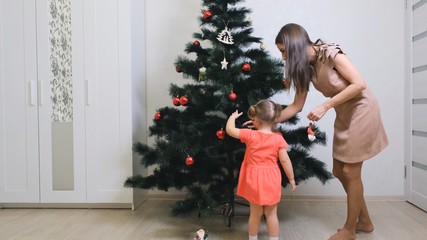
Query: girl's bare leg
{"x": 270, "y": 213}
{"x": 256, "y": 212}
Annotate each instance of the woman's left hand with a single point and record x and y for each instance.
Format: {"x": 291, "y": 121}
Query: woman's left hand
{"x": 317, "y": 113}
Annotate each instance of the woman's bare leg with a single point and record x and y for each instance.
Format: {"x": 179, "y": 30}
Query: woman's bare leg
{"x": 350, "y": 177}
{"x": 364, "y": 223}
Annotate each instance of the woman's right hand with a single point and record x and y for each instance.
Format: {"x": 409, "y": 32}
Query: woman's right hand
{"x": 248, "y": 124}
{"x": 317, "y": 113}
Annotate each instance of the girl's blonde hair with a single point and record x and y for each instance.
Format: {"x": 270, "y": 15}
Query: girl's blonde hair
{"x": 266, "y": 110}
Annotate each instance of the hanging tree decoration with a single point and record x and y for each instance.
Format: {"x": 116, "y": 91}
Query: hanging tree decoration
{"x": 183, "y": 100}
{"x": 246, "y": 67}
{"x": 157, "y": 116}
{"x": 225, "y": 36}
{"x": 202, "y": 91}
{"x": 232, "y": 96}
{"x": 220, "y": 134}
{"x": 311, "y": 132}
{"x": 202, "y": 73}
{"x": 189, "y": 159}
{"x": 207, "y": 14}
{"x": 176, "y": 101}
{"x": 224, "y": 63}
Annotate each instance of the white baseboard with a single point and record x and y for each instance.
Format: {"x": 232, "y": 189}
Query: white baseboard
{"x": 67, "y": 205}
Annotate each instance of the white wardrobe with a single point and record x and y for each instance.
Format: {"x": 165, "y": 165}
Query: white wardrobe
{"x": 68, "y": 73}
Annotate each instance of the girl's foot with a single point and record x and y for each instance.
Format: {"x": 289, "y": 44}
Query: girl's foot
{"x": 343, "y": 234}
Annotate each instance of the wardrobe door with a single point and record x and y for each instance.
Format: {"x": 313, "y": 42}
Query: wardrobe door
{"x": 61, "y": 107}
{"x": 19, "y": 169}
{"x": 108, "y": 110}
{"x": 416, "y": 143}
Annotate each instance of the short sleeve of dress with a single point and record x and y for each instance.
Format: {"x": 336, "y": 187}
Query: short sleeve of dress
{"x": 329, "y": 50}
{"x": 282, "y": 142}
{"x": 245, "y": 135}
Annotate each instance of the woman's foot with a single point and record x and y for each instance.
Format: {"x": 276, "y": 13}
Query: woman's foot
{"x": 364, "y": 227}
{"x": 361, "y": 227}
{"x": 343, "y": 234}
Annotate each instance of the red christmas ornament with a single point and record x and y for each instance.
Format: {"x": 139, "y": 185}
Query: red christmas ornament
{"x": 311, "y": 132}
{"x": 232, "y": 96}
{"x": 310, "y": 128}
{"x": 196, "y": 43}
{"x": 157, "y": 116}
{"x": 183, "y": 100}
{"x": 178, "y": 69}
{"x": 220, "y": 134}
{"x": 246, "y": 67}
{"x": 207, "y": 14}
{"x": 176, "y": 101}
{"x": 189, "y": 160}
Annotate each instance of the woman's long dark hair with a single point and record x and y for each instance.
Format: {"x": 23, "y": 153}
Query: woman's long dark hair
{"x": 298, "y": 69}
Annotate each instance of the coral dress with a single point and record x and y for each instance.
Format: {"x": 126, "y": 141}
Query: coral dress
{"x": 260, "y": 178}
{"x": 358, "y": 129}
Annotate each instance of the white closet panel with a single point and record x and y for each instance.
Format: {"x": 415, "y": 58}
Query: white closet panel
{"x": 107, "y": 70}
{"x": 19, "y": 173}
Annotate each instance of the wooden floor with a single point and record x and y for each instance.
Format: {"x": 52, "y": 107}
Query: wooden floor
{"x": 299, "y": 220}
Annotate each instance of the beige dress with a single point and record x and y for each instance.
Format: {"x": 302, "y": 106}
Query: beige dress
{"x": 358, "y": 129}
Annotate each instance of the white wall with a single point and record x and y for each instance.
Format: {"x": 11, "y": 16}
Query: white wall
{"x": 373, "y": 39}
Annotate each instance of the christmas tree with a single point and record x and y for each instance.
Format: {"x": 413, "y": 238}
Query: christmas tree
{"x": 231, "y": 70}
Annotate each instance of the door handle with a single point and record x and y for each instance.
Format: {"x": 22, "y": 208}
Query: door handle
{"x": 33, "y": 93}
{"x": 88, "y": 95}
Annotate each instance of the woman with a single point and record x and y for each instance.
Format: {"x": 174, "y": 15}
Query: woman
{"x": 358, "y": 130}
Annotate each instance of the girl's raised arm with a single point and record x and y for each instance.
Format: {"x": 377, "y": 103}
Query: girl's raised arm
{"x": 231, "y": 125}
